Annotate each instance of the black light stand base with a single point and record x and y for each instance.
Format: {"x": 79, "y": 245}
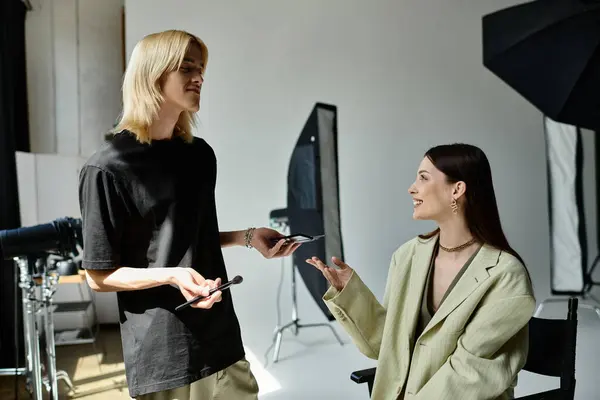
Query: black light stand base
{"x": 295, "y": 324}
{"x": 582, "y": 304}
{"x": 280, "y": 222}
{"x": 589, "y": 280}
{"x": 589, "y": 283}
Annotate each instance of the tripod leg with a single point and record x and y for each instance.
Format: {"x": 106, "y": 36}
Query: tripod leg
{"x": 34, "y": 345}
{"x": 26, "y": 335}
{"x": 30, "y": 329}
{"x": 325, "y": 325}
{"x": 336, "y": 335}
{"x": 594, "y": 298}
{"x": 51, "y": 353}
{"x": 279, "y": 337}
{"x": 539, "y": 309}
{"x": 46, "y": 383}
{"x": 590, "y": 307}
{"x": 65, "y": 377}
{"x": 594, "y": 265}
{"x": 277, "y": 345}
{"x": 294, "y": 302}
{"x": 50, "y": 349}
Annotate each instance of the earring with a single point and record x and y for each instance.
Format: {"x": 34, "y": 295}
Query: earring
{"x": 454, "y": 206}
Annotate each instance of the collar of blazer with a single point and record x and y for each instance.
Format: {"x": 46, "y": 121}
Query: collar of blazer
{"x": 474, "y": 276}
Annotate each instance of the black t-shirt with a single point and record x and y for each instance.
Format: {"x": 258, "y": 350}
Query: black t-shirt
{"x": 153, "y": 205}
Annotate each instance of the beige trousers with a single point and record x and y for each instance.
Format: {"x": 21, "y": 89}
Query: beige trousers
{"x": 233, "y": 383}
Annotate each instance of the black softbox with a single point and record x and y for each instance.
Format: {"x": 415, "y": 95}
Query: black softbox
{"x": 313, "y": 206}
{"x": 549, "y": 52}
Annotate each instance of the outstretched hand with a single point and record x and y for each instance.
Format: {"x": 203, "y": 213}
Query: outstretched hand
{"x": 338, "y": 278}
{"x": 263, "y": 240}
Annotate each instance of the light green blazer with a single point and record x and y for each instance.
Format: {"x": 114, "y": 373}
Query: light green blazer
{"x": 475, "y": 344}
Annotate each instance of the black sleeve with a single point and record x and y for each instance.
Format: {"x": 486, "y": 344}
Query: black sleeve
{"x": 103, "y": 215}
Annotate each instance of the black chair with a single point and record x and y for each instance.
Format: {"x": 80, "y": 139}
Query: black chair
{"x": 552, "y": 344}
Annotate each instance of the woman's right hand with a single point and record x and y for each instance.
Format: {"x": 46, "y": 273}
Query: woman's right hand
{"x": 192, "y": 284}
{"x": 337, "y": 277}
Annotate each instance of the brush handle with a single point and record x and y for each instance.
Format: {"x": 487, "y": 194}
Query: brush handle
{"x": 224, "y": 286}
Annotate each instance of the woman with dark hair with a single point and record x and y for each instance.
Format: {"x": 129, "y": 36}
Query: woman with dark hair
{"x": 453, "y": 323}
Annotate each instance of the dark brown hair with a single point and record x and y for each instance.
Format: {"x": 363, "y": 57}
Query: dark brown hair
{"x": 469, "y": 164}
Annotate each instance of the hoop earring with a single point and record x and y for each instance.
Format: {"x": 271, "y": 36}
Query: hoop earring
{"x": 454, "y": 206}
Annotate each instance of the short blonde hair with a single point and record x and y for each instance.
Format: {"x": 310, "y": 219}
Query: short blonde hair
{"x": 154, "y": 56}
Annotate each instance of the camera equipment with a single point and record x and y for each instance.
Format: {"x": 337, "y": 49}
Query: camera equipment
{"x": 60, "y": 236}
{"x": 32, "y": 249}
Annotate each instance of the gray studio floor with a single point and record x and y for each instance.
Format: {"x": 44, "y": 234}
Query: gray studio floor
{"x": 312, "y": 365}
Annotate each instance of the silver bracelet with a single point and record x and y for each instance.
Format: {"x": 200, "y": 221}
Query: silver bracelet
{"x": 248, "y": 237}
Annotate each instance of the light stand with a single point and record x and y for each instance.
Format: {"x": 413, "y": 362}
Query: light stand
{"x": 589, "y": 283}
{"x": 595, "y": 308}
{"x": 32, "y": 306}
{"x": 281, "y": 223}
{"x": 49, "y": 282}
{"x": 30, "y": 328}
{"x": 567, "y": 219}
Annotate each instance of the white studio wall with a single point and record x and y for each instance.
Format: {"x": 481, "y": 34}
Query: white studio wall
{"x": 404, "y": 76}
{"x": 74, "y": 69}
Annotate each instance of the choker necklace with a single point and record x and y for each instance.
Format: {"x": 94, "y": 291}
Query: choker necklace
{"x": 458, "y": 248}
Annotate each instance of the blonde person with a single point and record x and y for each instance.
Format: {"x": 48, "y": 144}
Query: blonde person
{"x": 150, "y": 229}
{"x": 453, "y": 323}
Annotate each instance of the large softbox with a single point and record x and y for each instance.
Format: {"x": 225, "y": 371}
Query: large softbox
{"x": 568, "y": 237}
{"x": 313, "y": 206}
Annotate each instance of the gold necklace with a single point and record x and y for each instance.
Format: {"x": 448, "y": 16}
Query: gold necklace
{"x": 458, "y": 248}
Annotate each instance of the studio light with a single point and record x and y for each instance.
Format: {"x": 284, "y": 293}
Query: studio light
{"x": 60, "y": 236}
{"x": 313, "y": 208}
{"x": 31, "y": 249}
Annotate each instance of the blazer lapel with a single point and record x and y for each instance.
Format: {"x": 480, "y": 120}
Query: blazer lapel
{"x": 474, "y": 276}
{"x": 418, "y": 275}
